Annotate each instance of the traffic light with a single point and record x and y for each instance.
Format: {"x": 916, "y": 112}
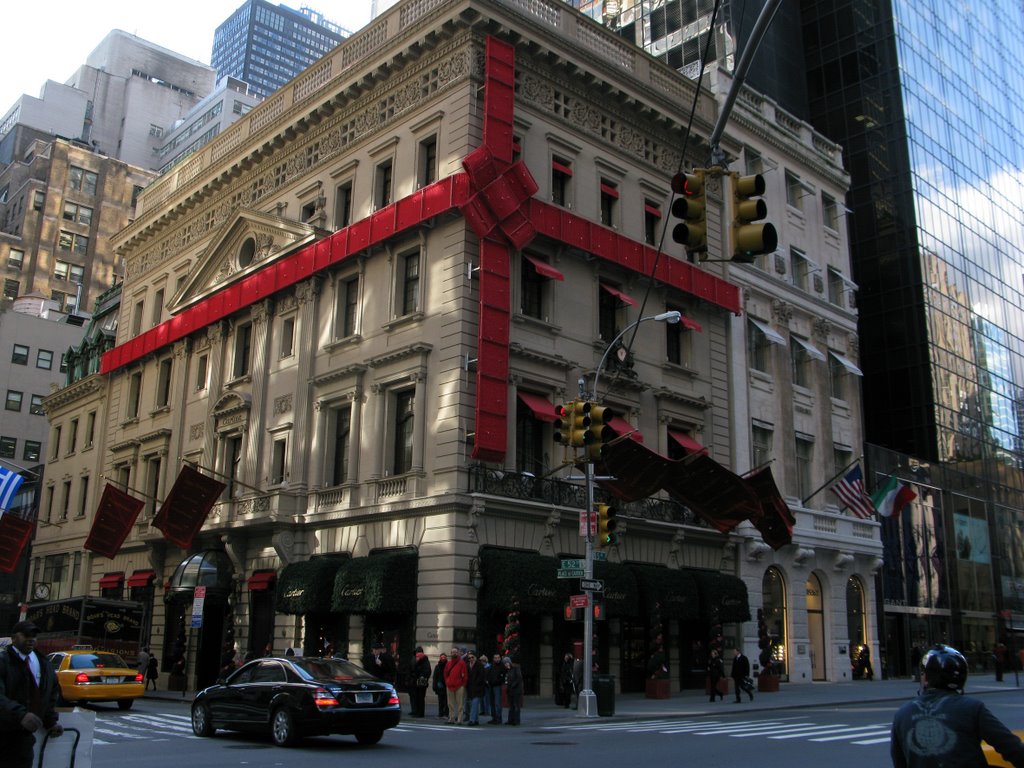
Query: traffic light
{"x": 602, "y": 433}
{"x": 598, "y": 608}
{"x": 563, "y": 425}
{"x": 607, "y": 522}
{"x": 581, "y": 434}
{"x": 750, "y": 239}
{"x": 690, "y": 206}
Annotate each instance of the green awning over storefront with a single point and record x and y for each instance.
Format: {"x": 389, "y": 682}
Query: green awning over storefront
{"x": 722, "y": 596}
{"x": 307, "y": 586}
{"x": 528, "y": 576}
{"x": 671, "y": 593}
{"x": 382, "y": 582}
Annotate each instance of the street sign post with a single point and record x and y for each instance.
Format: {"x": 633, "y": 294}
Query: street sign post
{"x": 573, "y": 563}
{"x": 583, "y": 525}
{"x": 592, "y": 585}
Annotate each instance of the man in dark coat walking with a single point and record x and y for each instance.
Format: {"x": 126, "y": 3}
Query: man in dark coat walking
{"x": 740, "y": 675}
{"x": 28, "y": 696}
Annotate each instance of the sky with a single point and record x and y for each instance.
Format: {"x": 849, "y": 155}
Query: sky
{"x": 53, "y": 44}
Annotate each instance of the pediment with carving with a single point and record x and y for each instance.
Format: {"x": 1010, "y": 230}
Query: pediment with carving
{"x": 246, "y": 243}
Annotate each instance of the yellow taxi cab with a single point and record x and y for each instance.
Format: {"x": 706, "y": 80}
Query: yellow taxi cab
{"x": 993, "y": 757}
{"x": 87, "y": 675}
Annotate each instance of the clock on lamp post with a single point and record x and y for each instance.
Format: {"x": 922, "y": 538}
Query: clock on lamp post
{"x": 40, "y": 591}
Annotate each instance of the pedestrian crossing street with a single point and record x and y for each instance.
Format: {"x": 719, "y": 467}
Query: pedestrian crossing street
{"x": 774, "y": 729}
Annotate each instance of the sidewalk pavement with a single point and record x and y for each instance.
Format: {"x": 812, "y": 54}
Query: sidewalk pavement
{"x": 539, "y": 710}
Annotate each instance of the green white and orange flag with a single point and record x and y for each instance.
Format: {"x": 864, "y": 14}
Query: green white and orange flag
{"x": 891, "y": 497}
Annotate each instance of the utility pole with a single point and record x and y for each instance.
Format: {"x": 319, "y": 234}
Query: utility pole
{"x": 587, "y": 699}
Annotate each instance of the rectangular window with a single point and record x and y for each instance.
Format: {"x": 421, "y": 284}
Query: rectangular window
{"x": 342, "y": 426}
{"x": 801, "y": 268}
{"x": 137, "y": 314}
{"x": 158, "y": 307}
{"x": 383, "y": 180}
{"x": 403, "y": 431}
{"x": 11, "y": 289}
{"x": 561, "y": 178}
{"x": 288, "y": 337}
{"x": 38, "y": 198}
{"x": 840, "y": 369}
{"x": 795, "y": 191}
{"x": 427, "y": 161}
{"x": 307, "y": 211}
{"x": 8, "y": 447}
{"x": 410, "y": 288}
{"x": 73, "y": 242}
{"x": 233, "y": 464}
{"x": 14, "y": 399}
{"x": 243, "y": 348}
{"x": 83, "y": 180}
{"x": 15, "y": 259}
{"x": 32, "y": 450}
{"x": 652, "y": 222}
{"x": 20, "y": 355}
{"x": 804, "y": 466}
{"x": 44, "y": 359}
{"x": 153, "y": 466}
{"x": 49, "y": 503}
{"x": 79, "y": 214}
{"x": 530, "y": 442}
{"x": 163, "y": 384}
{"x": 801, "y": 359}
{"x": 201, "y": 365}
{"x": 66, "y": 302}
{"x": 758, "y": 347}
{"x": 836, "y": 287}
{"x": 277, "y": 467}
{"x": 65, "y": 500}
{"x": 90, "y": 428}
{"x": 609, "y": 202}
{"x": 343, "y": 205}
{"x": 678, "y": 341}
{"x": 347, "y": 305}
{"x": 532, "y": 288}
{"x": 841, "y": 459}
{"x": 35, "y": 406}
{"x": 752, "y": 162}
{"x": 55, "y": 442}
{"x": 83, "y": 497}
{"x": 134, "y": 392}
{"x": 761, "y": 446}
{"x": 829, "y": 212}
{"x": 73, "y": 436}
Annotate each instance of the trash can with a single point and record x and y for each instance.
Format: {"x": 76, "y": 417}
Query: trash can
{"x": 604, "y": 692}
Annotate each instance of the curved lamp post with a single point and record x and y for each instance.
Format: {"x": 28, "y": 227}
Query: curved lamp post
{"x": 671, "y": 317}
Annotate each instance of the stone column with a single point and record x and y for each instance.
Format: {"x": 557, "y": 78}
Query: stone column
{"x": 215, "y": 380}
{"x": 377, "y": 439}
{"x": 419, "y": 417}
{"x": 259, "y": 370}
{"x": 307, "y": 293}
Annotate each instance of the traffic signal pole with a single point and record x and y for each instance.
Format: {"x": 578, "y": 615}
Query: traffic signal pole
{"x": 587, "y": 699}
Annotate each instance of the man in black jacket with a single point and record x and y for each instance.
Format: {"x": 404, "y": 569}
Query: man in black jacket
{"x": 740, "y": 674}
{"x": 28, "y": 696}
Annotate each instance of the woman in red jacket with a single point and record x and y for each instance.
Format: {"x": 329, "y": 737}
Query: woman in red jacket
{"x": 456, "y": 675}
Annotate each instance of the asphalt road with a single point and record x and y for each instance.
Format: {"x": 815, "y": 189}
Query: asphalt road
{"x": 158, "y": 734}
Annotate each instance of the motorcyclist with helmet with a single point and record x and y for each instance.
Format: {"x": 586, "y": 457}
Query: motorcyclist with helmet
{"x": 942, "y": 728}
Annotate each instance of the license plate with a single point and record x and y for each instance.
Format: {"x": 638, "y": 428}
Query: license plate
{"x": 111, "y": 680}
{"x": 364, "y": 698}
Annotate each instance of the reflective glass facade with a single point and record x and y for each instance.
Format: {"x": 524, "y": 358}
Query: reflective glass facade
{"x": 267, "y": 45}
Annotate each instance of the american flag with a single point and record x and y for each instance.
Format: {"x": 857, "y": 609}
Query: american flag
{"x": 850, "y": 491}
{"x": 10, "y": 482}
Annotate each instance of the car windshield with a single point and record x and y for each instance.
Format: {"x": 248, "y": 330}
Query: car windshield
{"x": 328, "y": 669}
{"x": 96, "y": 661}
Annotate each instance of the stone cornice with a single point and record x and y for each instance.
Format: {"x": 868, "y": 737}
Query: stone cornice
{"x": 555, "y": 361}
{"x": 402, "y": 353}
{"x": 80, "y": 390}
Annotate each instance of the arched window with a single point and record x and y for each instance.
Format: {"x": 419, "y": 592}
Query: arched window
{"x": 773, "y": 605}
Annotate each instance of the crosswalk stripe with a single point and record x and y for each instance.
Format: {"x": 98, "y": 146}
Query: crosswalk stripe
{"x": 882, "y": 728}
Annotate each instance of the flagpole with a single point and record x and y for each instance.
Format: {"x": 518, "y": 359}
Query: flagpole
{"x": 21, "y": 469}
{"x": 759, "y": 467}
{"x": 127, "y": 487}
{"x": 831, "y": 480}
{"x": 197, "y": 465}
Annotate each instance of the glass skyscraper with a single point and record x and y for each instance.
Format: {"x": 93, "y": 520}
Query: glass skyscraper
{"x": 267, "y": 45}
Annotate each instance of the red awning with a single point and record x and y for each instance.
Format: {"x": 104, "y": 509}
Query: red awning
{"x": 686, "y": 442}
{"x": 543, "y": 268}
{"x": 693, "y": 325}
{"x": 141, "y": 578}
{"x": 561, "y": 168}
{"x": 608, "y": 189}
{"x": 620, "y": 295}
{"x": 261, "y": 580}
{"x": 112, "y": 580}
{"x": 652, "y": 209}
{"x": 623, "y": 427}
{"x": 541, "y": 407}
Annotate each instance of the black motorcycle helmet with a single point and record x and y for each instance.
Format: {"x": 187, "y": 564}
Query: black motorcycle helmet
{"x": 945, "y": 668}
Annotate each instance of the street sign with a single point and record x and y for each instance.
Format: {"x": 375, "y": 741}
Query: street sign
{"x": 572, "y": 563}
{"x": 578, "y": 601}
{"x": 197, "y": 607}
{"x": 571, "y": 573}
{"x": 592, "y": 585}
{"x": 583, "y": 524}
{"x": 599, "y": 555}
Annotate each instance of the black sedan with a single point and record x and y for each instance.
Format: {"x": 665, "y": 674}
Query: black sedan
{"x": 298, "y": 696}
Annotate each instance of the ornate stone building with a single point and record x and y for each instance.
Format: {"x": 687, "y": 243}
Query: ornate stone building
{"x": 373, "y": 290}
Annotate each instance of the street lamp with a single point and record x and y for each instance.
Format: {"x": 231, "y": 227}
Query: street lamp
{"x": 586, "y": 705}
{"x": 671, "y": 317}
